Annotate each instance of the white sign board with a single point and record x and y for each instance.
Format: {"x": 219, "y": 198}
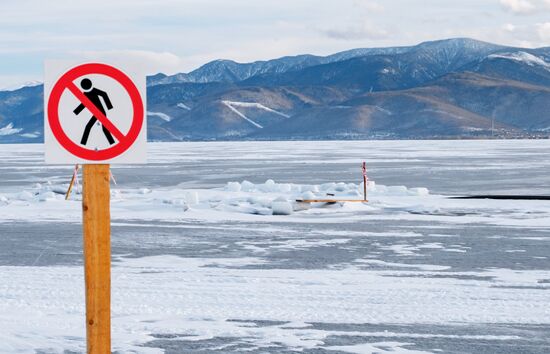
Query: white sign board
{"x": 94, "y": 113}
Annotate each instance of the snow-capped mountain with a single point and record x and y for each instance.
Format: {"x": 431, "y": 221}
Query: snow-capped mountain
{"x": 230, "y": 71}
{"x": 449, "y": 88}
{"x": 21, "y": 115}
{"x": 409, "y": 67}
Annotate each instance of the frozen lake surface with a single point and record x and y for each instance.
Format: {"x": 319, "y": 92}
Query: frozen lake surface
{"x": 201, "y": 265}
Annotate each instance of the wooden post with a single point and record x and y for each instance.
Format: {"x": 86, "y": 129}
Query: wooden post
{"x": 72, "y": 182}
{"x": 97, "y": 257}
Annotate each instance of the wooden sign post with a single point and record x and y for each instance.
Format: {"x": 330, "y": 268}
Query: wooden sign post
{"x": 80, "y": 99}
{"x": 96, "y": 216}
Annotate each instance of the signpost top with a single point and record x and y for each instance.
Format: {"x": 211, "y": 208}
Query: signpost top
{"x": 94, "y": 113}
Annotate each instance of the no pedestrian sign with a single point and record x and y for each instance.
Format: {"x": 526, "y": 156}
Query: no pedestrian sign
{"x": 94, "y": 113}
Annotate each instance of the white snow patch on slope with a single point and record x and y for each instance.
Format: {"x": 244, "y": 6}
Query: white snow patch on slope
{"x": 228, "y": 104}
{"x": 161, "y": 115}
{"x": 256, "y": 105}
{"x": 383, "y": 110}
{"x": 183, "y": 106}
{"x": 31, "y": 135}
{"x": 9, "y": 130}
{"x": 523, "y": 57}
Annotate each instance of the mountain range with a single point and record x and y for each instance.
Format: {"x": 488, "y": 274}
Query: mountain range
{"x": 453, "y": 88}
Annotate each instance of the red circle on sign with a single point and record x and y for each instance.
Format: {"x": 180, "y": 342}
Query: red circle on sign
{"x": 53, "y": 111}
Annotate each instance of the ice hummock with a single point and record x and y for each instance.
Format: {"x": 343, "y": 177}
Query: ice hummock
{"x": 245, "y": 197}
{"x": 272, "y": 198}
{"x": 340, "y": 189}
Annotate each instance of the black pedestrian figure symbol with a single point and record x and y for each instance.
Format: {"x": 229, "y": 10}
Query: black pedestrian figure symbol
{"x": 94, "y": 95}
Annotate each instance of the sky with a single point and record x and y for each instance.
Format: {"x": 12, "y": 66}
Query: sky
{"x": 173, "y": 36}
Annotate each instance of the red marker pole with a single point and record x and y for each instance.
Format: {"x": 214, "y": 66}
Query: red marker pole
{"x": 364, "y": 180}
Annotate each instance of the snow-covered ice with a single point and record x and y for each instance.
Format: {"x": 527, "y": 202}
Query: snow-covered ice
{"x": 194, "y": 299}
{"x": 213, "y": 252}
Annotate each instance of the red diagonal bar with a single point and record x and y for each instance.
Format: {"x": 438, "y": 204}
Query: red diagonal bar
{"x": 96, "y": 112}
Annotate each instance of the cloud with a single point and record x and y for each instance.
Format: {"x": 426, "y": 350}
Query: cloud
{"x": 370, "y": 6}
{"x": 355, "y": 26}
{"x": 543, "y": 30}
{"x": 525, "y": 7}
{"x": 180, "y": 35}
{"x": 151, "y": 62}
{"x": 509, "y": 27}
{"x": 15, "y": 81}
{"x": 362, "y": 31}
{"x": 518, "y": 6}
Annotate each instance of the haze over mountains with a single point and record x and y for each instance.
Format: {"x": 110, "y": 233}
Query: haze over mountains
{"x": 455, "y": 88}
